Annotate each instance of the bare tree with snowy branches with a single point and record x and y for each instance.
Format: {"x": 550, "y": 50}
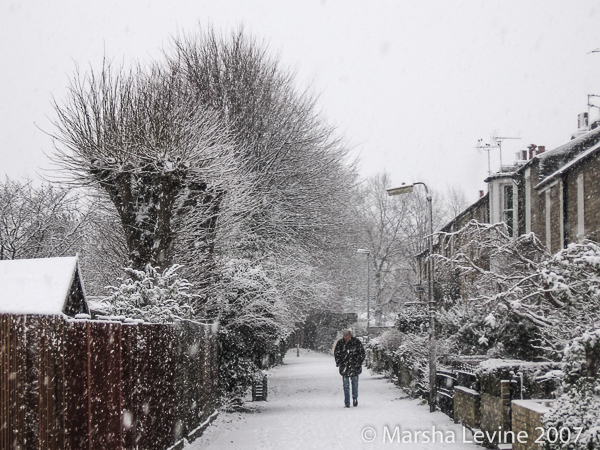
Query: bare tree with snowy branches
{"x": 512, "y": 285}
{"x": 138, "y": 137}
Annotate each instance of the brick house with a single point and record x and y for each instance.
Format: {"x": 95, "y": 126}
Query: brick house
{"x": 554, "y": 194}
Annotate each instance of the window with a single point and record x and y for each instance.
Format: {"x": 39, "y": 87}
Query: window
{"x": 507, "y": 207}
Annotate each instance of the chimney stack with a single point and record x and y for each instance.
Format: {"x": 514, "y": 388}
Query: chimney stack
{"x": 541, "y": 149}
{"x": 582, "y": 120}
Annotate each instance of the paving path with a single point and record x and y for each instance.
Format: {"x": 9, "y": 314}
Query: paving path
{"x": 305, "y": 411}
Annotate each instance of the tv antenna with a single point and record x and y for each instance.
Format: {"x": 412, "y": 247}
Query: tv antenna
{"x": 496, "y": 143}
{"x": 486, "y": 148}
{"x": 591, "y": 105}
{"x": 497, "y": 140}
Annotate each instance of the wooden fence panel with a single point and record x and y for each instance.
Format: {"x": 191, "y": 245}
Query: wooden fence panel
{"x": 29, "y": 376}
{"x": 105, "y": 385}
{"x": 156, "y": 387}
{"x": 12, "y": 426}
{"x": 130, "y": 409}
{"x": 77, "y": 406}
{"x": 51, "y": 383}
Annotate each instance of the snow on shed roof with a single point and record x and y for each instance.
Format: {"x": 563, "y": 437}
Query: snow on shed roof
{"x": 36, "y": 286}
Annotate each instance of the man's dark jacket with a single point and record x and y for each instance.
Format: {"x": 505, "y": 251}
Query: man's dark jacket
{"x": 349, "y": 357}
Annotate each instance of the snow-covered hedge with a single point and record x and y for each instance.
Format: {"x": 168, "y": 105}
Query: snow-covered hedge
{"x": 253, "y": 320}
{"x": 536, "y": 383}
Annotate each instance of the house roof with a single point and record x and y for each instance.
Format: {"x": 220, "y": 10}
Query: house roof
{"x": 446, "y": 228}
{"x": 36, "y": 286}
{"x": 554, "y": 159}
{"x": 579, "y": 158}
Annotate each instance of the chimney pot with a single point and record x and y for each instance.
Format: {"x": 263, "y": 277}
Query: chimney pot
{"x": 480, "y": 193}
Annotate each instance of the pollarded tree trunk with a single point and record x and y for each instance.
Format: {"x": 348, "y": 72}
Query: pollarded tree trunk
{"x": 151, "y": 203}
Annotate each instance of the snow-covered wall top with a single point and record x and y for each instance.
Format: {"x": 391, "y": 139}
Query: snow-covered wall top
{"x": 36, "y": 286}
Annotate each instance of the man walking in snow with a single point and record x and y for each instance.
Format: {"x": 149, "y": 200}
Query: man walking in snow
{"x": 349, "y": 355}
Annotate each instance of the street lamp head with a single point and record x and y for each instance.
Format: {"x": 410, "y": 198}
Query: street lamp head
{"x": 404, "y": 189}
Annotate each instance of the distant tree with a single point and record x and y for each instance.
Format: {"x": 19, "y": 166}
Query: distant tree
{"x": 40, "y": 222}
{"x": 393, "y": 229}
{"x": 104, "y": 251}
{"x": 455, "y": 202}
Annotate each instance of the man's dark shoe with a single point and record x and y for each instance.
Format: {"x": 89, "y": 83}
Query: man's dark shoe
{"x": 355, "y": 402}
{"x": 347, "y": 406}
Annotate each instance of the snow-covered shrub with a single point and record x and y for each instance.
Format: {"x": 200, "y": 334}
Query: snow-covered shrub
{"x": 579, "y": 403}
{"x": 253, "y": 319}
{"x": 403, "y": 358}
{"x": 413, "y": 319}
{"x": 481, "y": 285}
{"x": 507, "y": 297}
{"x": 389, "y": 340}
{"x": 412, "y": 359}
{"x": 152, "y": 296}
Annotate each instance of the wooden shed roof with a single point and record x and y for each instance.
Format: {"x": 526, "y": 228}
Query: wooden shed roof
{"x": 37, "y": 286}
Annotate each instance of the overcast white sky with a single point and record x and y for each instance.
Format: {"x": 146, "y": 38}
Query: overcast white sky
{"x": 412, "y": 85}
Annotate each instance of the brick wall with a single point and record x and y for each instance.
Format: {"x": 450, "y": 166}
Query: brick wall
{"x": 567, "y": 188}
{"x": 467, "y": 407}
{"x": 591, "y": 167}
{"x": 526, "y": 417}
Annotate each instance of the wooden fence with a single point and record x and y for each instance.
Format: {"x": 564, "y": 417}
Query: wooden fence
{"x": 78, "y": 384}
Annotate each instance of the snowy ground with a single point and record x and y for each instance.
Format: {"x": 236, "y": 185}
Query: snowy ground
{"x": 305, "y": 411}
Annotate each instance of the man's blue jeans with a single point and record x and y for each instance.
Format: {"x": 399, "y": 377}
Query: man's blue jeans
{"x": 346, "y": 381}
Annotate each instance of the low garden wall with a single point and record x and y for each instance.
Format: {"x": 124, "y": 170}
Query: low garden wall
{"x": 527, "y": 423}
{"x": 467, "y": 407}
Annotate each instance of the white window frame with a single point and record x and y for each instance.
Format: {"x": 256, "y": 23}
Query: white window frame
{"x": 580, "y": 208}
{"x": 527, "y": 200}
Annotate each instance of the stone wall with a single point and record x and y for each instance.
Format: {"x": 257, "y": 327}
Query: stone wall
{"x": 467, "y": 407}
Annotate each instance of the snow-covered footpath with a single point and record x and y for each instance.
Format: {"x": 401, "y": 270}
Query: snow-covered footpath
{"x": 305, "y": 411}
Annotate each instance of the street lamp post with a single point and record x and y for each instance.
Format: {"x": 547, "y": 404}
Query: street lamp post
{"x": 406, "y": 189}
{"x": 368, "y": 253}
